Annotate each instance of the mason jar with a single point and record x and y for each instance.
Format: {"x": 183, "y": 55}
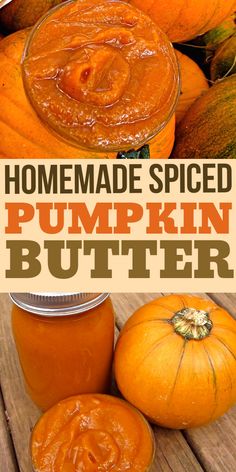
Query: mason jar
{"x": 65, "y": 343}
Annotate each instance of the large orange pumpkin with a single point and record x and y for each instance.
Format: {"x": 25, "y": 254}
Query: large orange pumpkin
{"x": 22, "y": 133}
{"x": 193, "y": 84}
{"x": 184, "y": 19}
{"x": 19, "y": 14}
{"x": 175, "y": 360}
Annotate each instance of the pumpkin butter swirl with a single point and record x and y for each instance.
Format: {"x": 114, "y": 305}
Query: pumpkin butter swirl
{"x": 101, "y": 74}
{"x": 92, "y": 433}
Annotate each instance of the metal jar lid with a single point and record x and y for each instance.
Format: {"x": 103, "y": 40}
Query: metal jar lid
{"x": 57, "y": 304}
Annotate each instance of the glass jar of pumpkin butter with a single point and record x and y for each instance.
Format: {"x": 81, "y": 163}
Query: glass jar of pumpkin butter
{"x": 65, "y": 343}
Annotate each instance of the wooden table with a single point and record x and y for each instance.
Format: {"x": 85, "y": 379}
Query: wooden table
{"x": 209, "y": 449}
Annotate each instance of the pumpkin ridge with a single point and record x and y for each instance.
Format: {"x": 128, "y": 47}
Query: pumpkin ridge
{"x": 164, "y": 320}
{"x": 181, "y": 297}
{"x": 176, "y": 20}
{"x": 225, "y": 328}
{"x": 164, "y": 308}
{"x": 215, "y": 308}
{"x": 16, "y": 104}
{"x": 19, "y": 133}
{"x": 205, "y": 27}
{"x": 169, "y": 309}
{"x": 178, "y": 370}
{"x": 213, "y": 374}
{"x": 226, "y": 367}
{"x": 16, "y": 131}
{"x": 155, "y": 345}
{"x": 229, "y": 12}
{"x": 225, "y": 345}
{"x": 9, "y": 59}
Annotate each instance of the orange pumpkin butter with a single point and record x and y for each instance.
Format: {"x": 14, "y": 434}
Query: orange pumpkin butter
{"x": 88, "y": 433}
{"x": 63, "y": 355}
{"x": 101, "y": 75}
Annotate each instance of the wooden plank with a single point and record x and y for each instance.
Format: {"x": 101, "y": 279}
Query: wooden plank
{"x": 215, "y": 445}
{"x": 7, "y": 454}
{"x": 21, "y": 412}
{"x": 227, "y": 300}
{"x": 125, "y": 304}
{"x": 173, "y": 453}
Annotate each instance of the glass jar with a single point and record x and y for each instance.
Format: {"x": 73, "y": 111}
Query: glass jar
{"x": 103, "y": 77}
{"x": 65, "y": 343}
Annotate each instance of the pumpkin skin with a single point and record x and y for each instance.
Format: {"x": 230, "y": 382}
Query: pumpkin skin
{"x": 20, "y": 14}
{"x": 213, "y": 38}
{"x": 22, "y": 133}
{"x": 183, "y": 20}
{"x": 208, "y": 130}
{"x": 175, "y": 380}
{"x": 224, "y": 61}
{"x": 193, "y": 84}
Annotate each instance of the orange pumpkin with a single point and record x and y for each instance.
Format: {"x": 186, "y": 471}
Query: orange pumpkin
{"x": 193, "y": 84}
{"x": 19, "y": 14}
{"x": 184, "y": 19}
{"x": 22, "y": 133}
{"x": 175, "y": 360}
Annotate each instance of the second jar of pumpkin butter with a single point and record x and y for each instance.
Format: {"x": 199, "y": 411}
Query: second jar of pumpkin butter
{"x": 65, "y": 343}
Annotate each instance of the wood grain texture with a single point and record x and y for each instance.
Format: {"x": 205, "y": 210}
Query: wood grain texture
{"x": 214, "y": 447}
{"x": 227, "y": 300}
{"x": 7, "y": 454}
{"x": 173, "y": 453}
{"x": 21, "y": 412}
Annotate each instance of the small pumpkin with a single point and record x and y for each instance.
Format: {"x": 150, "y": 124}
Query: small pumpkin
{"x": 193, "y": 84}
{"x": 183, "y": 20}
{"x": 22, "y": 133}
{"x": 19, "y": 14}
{"x": 208, "y": 130}
{"x": 213, "y": 38}
{"x": 224, "y": 61}
{"x": 175, "y": 360}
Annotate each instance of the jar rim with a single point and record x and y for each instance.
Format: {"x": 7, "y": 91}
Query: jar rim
{"x": 52, "y": 304}
{"x": 65, "y": 138}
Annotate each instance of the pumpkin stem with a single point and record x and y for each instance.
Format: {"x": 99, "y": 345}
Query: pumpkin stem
{"x": 192, "y": 324}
